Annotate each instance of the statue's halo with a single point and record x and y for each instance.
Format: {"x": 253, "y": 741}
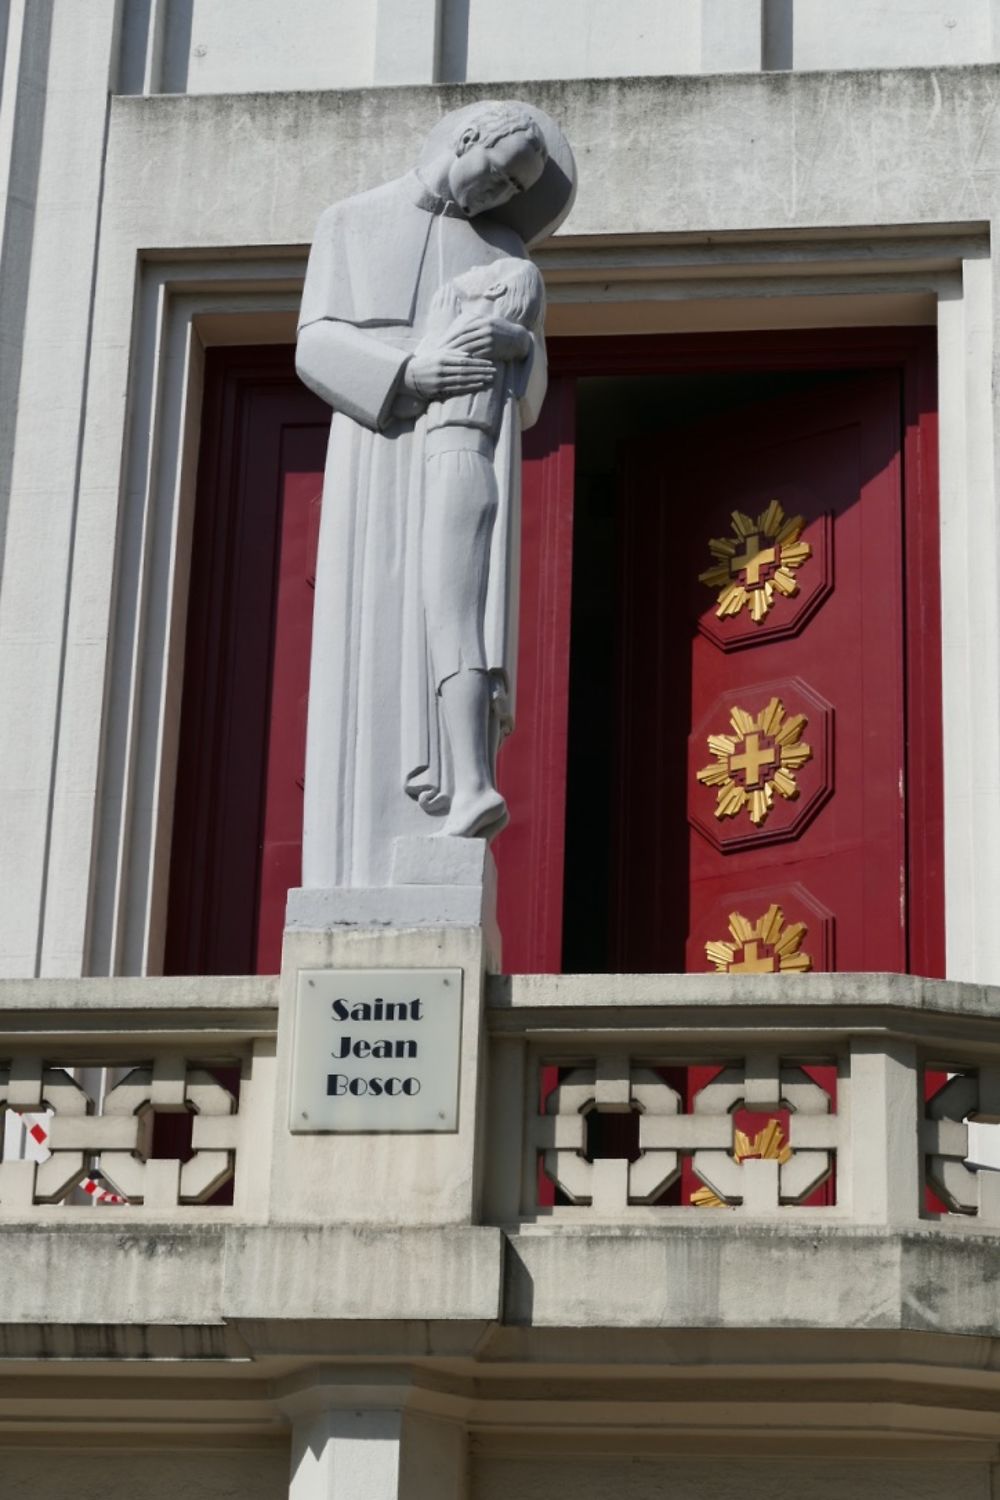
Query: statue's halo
{"x": 538, "y": 212}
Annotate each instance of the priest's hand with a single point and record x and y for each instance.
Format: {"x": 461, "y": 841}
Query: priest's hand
{"x": 493, "y": 338}
{"x": 435, "y": 374}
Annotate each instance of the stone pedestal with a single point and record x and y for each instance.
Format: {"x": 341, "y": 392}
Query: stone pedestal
{"x": 441, "y": 916}
{"x": 437, "y": 882}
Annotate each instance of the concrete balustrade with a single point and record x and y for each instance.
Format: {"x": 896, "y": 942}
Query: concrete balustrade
{"x": 850, "y": 1068}
{"x": 382, "y": 1285}
{"x": 881, "y": 1045}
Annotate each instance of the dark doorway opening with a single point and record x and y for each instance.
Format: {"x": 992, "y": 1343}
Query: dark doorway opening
{"x": 612, "y": 412}
{"x": 631, "y": 712}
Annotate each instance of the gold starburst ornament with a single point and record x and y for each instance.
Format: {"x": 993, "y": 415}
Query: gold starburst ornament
{"x": 768, "y": 1144}
{"x": 758, "y": 561}
{"x": 766, "y": 946}
{"x": 756, "y": 761}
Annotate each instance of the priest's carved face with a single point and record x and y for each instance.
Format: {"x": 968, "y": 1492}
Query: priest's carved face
{"x": 484, "y": 176}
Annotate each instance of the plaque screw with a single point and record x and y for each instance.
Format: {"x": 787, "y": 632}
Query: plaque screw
{"x": 305, "y": 1116}
{"x": 312, "y": 983}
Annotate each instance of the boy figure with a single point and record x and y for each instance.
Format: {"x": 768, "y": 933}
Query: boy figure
{"x": 460, "y": 512}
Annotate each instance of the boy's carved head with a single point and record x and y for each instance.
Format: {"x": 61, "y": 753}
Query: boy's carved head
{"x": 514, "y": 286}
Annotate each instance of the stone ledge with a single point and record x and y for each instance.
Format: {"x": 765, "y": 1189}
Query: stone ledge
{"x": 187, "y": 1274}
{"x": 730, "y": 1276}
{"x": 710, "y": 1276}
{"x": 136, "y": 1011}
{"x": 179, "y": 993}
{"x": 752, "y": 1002}
{"x": 749, "y": 126}
{"x": 452, "y": 1272}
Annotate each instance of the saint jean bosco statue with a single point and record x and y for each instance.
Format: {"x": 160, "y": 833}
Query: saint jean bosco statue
{"x": 421, "y": 325}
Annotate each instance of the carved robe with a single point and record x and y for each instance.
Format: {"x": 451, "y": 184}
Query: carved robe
{"x": 374, "y": 717}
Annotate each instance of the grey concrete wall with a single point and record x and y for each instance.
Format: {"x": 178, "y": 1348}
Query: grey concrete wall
{"x": 721, "y": 1479}
{"x": 239, "y": 46}
{"x": 89, "y": 1474}
{"x": 656, "y": 155}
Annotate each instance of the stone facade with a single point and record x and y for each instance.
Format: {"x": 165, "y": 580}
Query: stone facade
{"x": 371, "y": 1317}
{"x": 224, "y": 46}
{"x": 775, "y": 201}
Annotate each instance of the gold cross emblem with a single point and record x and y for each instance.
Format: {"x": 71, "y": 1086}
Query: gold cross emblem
{"x": 758, "y": 759}
{"x": 753, "y": 760}
{"x": 751, "y": 561}
{"x": 758, "y": 561}
{"x": 753, "y": 962}
{"x": 766, "y": 946}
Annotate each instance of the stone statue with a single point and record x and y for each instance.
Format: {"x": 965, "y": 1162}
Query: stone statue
{"x": 421, "y": 325}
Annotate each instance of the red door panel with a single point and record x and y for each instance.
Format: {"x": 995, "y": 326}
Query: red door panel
{"x": 532, "y": 765}
{"x": 302, "y": 458}
{"x": 237, "y": 809}
{"x": 762, "y": 754}
{"x": 238, "y": 802}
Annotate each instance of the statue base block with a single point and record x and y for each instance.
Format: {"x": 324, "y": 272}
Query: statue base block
{"x": 436, "y": 859}
{"x": 437, "y": 882}
{"x": 324, "y": 1175}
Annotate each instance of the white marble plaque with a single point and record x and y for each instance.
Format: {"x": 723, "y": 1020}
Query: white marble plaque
{"x": 376, "y": 1050}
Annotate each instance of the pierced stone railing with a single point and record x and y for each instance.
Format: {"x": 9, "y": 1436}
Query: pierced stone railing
{"x": 614, "y": 1085}
{"x": 149, "y": 1094}
{"x": 970, "y": 1094}
{"x": 113, "y": 1140}
{"x": 653, "y": 1098}
{"x": 610, "y": 1100}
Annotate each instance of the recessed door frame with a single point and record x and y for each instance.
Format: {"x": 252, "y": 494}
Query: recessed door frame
{"x": 107, "y": 915}
{"x": 911, "y": 351}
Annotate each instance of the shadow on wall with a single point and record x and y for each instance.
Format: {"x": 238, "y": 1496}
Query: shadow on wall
{"x": 518, "y": 1290}
{"x": 777, "y": 35}
{"x": 453, "y": 44}
{"x": 30, "y": 77}
{"x": 155, "y": 47}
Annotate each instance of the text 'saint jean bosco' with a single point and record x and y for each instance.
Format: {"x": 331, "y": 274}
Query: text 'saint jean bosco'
{"x": 378, "y": 1010}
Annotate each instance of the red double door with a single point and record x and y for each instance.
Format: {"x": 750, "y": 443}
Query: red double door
{"x": 762, "y": 783}
{"x": 774, "y": 801}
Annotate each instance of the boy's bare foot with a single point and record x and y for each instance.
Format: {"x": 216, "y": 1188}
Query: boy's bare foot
{"x": 480, "y": 816}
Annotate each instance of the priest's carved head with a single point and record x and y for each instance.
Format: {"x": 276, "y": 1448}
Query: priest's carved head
{"x": 499, "y": 152}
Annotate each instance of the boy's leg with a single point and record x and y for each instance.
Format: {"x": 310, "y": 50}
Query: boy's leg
{"x": 476, "y": 805}
{"x": 458, "y": 523}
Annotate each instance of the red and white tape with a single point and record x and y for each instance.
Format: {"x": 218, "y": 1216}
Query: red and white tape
{"x": 37, "y": 1127}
